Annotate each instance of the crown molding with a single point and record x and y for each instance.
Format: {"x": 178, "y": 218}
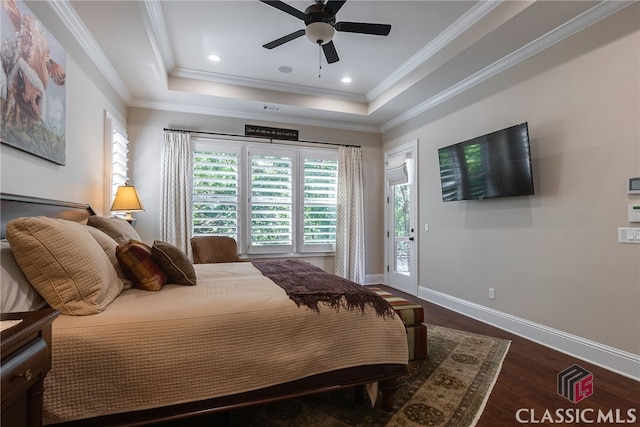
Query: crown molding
{"x": 77, "y": 28}
{"x": 157, "y": 31}
{"x": 160, "y": 38}
{"x": 453, "y": 31}
{"x": 580, "y": 22}
{"x": 461, "y": 25}
{"x": 155, "y": 18}
{"x": 161, "y": 42}
{"x": 267, "y": 117}
{"x": 266, "y": 85}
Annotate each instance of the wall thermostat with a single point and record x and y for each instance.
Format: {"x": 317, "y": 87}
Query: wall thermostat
{"x": 634, "y": 213}
{"x": 634, "y": 185}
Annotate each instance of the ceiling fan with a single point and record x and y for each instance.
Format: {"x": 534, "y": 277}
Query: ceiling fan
{"x": 320, "y": 25}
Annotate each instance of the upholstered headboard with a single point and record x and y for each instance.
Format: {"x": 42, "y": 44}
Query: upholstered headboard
{"x": 14, "y": 206}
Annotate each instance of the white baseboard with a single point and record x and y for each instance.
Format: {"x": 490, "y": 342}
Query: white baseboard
{"x": 373, "y": 279}
{"x": 613, "y": 359}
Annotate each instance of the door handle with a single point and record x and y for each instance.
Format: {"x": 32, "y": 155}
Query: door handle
{"x": 411, "y": 239}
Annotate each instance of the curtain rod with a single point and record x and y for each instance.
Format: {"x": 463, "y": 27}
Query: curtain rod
{"x": 270, "y": 140}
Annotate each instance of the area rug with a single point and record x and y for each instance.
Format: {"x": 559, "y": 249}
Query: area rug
{"x": 450, "y": 388}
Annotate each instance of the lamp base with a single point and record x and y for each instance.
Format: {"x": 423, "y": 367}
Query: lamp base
{"x": 131, "y": 220}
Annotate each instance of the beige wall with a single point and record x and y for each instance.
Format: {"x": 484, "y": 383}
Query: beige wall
{"x": 145, "y": 129}
{"x": 553, "y": 258}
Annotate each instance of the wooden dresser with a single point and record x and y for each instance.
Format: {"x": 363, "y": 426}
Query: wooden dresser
{"x": 26, "y": 360}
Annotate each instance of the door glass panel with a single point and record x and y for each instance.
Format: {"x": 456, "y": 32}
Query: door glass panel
{"x": 402, "y": 257}
{"x": 401, "y": 228}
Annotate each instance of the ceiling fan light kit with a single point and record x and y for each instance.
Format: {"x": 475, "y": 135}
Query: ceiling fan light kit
{"x": 319, "y": 32}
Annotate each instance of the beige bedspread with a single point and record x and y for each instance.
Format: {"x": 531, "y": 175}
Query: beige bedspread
{"x": 235, "y": 331}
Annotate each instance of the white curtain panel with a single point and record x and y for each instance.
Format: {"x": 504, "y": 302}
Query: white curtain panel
{"x": 177, "y": 176}
{"x": 349, "y": 261}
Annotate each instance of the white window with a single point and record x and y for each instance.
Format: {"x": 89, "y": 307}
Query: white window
{"x": 320, "y": 198}
{"x": 270, "y": 199}
{"x": 119, "y": 160}
{"x": 216, "y": 192}
{"x": 116, "y": 157}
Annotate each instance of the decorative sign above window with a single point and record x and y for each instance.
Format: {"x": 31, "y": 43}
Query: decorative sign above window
{"x": 267, "y": 132}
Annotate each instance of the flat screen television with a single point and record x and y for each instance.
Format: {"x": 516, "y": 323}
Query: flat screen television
{"x": 497, "y": 164}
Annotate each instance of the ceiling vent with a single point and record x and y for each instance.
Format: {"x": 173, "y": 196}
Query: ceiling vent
{"x": 271, "y": 108}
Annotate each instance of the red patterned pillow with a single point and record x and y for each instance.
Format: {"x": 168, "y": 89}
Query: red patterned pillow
{"x": 137, "y": 263}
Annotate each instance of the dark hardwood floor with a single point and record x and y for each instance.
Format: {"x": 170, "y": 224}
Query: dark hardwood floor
{"x": 527, "y": 382}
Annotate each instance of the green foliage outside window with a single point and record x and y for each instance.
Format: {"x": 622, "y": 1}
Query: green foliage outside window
{"x": 216, "y": 201}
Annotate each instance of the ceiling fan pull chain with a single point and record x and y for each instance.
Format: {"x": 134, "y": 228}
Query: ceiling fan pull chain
{"x": 319, "y": 60}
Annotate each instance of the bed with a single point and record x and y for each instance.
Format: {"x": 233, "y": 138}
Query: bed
{"x": 234, "y": 339}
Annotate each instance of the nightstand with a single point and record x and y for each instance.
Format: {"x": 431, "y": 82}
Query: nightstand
{"x": 26, "y": 360}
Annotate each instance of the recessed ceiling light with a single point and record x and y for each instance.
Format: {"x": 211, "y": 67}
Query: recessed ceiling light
{"x": 214, "y": 58}
{"x": 346, "y": 80}
{"x": 285, "y": 69}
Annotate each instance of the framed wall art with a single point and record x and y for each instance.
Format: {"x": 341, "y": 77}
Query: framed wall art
{"x": 32, "y": 84}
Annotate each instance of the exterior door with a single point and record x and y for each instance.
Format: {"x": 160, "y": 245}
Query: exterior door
{"x": 400, "y": 218}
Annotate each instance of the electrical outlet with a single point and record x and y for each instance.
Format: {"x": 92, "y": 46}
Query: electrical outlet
{"x": 492, "y": 293}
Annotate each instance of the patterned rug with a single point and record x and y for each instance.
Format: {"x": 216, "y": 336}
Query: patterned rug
{"x": 450, "y": 388}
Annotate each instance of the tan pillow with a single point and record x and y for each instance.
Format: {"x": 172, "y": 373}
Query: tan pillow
{"x": 109, "y": 245}
{"x": 116, "y": 228}
{"x": 64, "y": 263}
{"x": 174, "y": 262}
{"x": 16, "y": 293}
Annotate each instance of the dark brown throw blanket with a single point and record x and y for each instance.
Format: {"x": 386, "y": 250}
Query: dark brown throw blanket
{"x": 309, "y": 285}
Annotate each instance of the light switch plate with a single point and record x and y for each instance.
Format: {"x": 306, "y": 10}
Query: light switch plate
{"x": 629, "y": 235}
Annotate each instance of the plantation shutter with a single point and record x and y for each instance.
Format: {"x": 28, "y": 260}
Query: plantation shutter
{"x": 216, "y": 178}
{"x": 271, "y": 200}
{"x": 119, "y": 160}
{"x": 320, "y": 186}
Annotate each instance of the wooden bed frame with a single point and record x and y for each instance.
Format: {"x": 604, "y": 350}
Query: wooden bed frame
{"x": 14, "y": 206}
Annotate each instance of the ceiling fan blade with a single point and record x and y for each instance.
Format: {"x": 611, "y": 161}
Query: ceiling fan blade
{"x": 334, "y": 5}
{"x": 330, "y": 52}
{"x": 286, "y": 8}
{"x": 284, "y": 39}
{"x": 364, "y": 28}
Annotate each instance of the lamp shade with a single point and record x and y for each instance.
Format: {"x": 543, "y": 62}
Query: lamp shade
{"x": 127, "y": 200}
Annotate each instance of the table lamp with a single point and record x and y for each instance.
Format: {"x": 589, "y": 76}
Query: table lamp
{"x": 127, "y": 201}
